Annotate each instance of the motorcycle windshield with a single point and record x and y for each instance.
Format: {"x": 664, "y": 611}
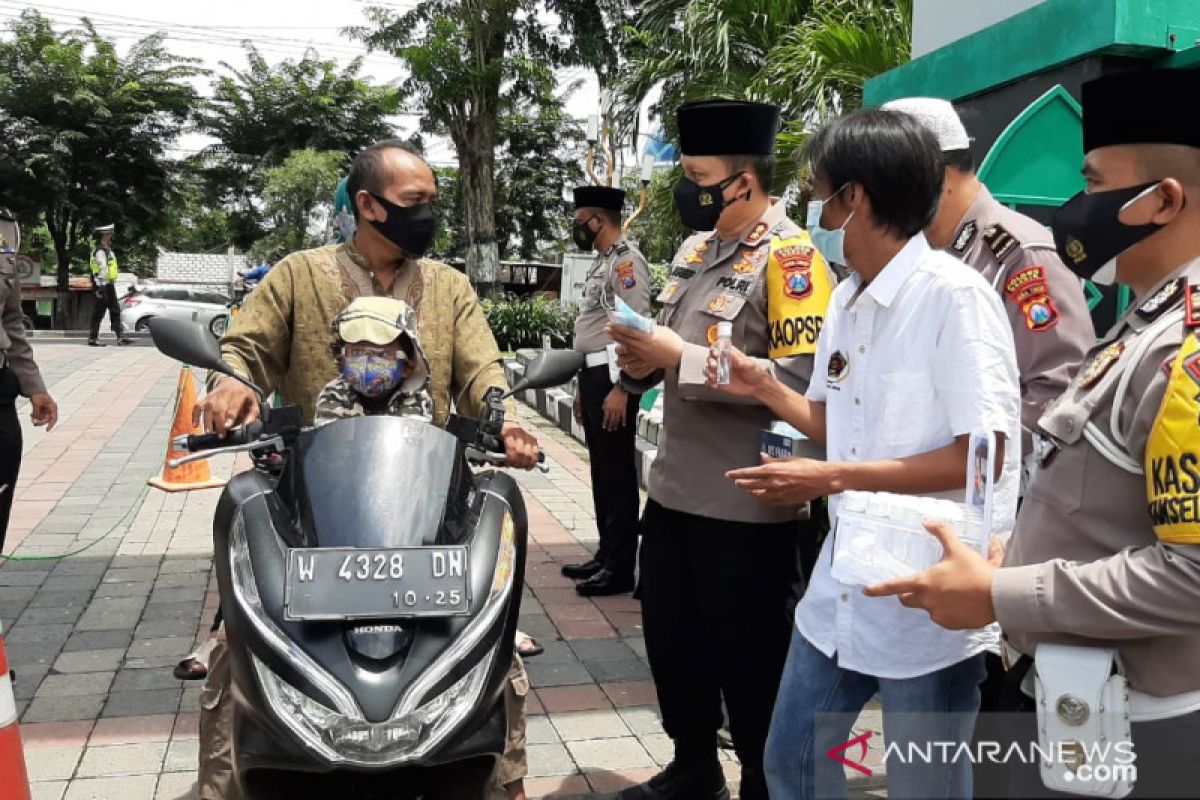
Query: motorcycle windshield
{"x": 375, "y": 481}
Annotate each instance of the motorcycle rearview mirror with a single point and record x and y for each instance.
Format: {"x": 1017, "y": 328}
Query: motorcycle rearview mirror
{"x": 193, "y": 344}
{"x": 549, "y": 368}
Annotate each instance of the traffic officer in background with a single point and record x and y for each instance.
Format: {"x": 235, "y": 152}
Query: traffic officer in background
{"x": 19, "y": 374}
{"x": 719, "y": 567}
{"x": 1106, "y": 551}
{"x": 104, "y": 285}
{"x": 608, "y": 412}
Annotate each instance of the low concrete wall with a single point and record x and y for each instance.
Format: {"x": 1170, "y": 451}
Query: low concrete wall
{"x": 556, "y": 404}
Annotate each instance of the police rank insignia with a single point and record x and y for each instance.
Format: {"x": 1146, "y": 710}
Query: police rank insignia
{"x": 1029, "y": 290}
{"x": 718, "y": 304}
{"x": 1161, "y": 300}
{"x": 669, "y": 291}
{"x": 625, "y": 274}
{"x": 697, "y": 256}
{"x": 1101, "y": 363}
{"x": 757, "y": 232}
{"x": 999, "y": 241}
{"x": 965, "y": 237}
{"x": 1191, "y": 314}
{"x": 795, "y": 260}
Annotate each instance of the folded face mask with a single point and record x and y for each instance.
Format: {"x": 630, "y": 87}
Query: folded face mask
{"x": 622, "y": 314}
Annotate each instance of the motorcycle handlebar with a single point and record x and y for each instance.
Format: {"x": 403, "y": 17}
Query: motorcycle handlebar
{"x": 244, "y": 434}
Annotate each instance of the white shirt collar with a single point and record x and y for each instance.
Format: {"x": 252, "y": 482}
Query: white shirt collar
{"x": 887, "y": 283}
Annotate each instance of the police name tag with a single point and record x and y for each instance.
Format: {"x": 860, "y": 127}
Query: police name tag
{"x": 336, "y": 583}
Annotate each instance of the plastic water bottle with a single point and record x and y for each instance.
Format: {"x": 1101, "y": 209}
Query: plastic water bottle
{"x": 724, "y": 352}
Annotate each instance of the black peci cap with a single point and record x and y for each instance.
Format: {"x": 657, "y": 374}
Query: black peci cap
{"x": 727, "y": 128}
{"x": 1141, "y": 107}
{"x": 599, "y": 197}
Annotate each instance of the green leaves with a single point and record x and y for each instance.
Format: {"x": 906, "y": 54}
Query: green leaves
{"x": 519, "y": 322}
{"x": 86, "y": 132}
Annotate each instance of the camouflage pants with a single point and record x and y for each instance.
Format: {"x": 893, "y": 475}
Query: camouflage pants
{"x": 216, "y": 725}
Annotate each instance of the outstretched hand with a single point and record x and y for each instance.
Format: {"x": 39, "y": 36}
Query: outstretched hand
{"x": 956, "y": 591}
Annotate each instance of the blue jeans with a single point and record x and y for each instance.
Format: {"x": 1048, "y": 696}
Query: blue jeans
{"x": 818, "y": 702}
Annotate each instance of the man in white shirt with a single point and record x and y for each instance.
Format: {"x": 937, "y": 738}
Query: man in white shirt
{"x": 916, "y": 355}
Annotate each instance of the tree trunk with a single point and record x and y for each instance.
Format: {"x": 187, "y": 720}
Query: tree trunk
{"x": 62, "y": 252}
{"x": 476, "y": 160}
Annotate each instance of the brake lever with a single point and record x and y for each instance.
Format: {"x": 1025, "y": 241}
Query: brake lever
{"x": 501, "y": 460}
{"x": 275, "y": 442}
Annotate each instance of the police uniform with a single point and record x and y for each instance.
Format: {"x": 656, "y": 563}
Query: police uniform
{"x": 104, "y": 270}
{"x": 1106, "y": 550}
{"x": 618, "y": 272}
{"x": 1044, "y": 300}
{"x": 719, "y": 567}
{"x": 19, "y": 374}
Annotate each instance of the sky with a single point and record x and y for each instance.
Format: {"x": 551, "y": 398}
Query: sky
{"x": 212, "y": 31}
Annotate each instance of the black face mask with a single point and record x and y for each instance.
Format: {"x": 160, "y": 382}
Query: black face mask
{"x": 1088, "y": 233}
{"x": 411, "y": 228}
{"x": 700, "y": 207}
{"x": 583, "y": 236}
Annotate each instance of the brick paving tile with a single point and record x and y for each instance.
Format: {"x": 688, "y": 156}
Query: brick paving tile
{"x": 572, "y": 698}
{"x": 132, "y": 730}
{"x": 36, "y": 735}
{"x": 616, "y": 780}
{"x": 638, "y": 693}
{"x": 567, "y": 786}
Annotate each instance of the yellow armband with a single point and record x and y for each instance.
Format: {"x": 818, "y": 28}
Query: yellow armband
{"x": 1173, "y": 453}
{"x": 799, "y": 285}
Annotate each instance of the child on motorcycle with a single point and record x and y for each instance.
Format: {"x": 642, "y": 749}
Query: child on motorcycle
{"x": 382, "y": 369}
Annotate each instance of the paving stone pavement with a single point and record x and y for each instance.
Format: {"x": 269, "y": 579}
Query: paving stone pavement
{"x": 93, "y": 637}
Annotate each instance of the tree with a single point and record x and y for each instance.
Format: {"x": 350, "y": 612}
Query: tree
{"x": 263, "y": 113}
{"x": 811, "y": 57}
{"x": 538, "y": 158}
{"x": 86, "y": 131}
{"x": 459, "y": 56}
{"x": 297, "y": 197}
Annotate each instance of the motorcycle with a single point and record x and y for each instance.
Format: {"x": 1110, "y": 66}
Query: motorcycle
{"x": 370, "y": 581}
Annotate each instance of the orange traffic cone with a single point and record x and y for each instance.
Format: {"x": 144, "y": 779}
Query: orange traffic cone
{"x": 195, "y": 475}
{"x": 14, "y": 780}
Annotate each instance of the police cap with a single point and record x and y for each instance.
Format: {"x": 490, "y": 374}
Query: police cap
{"x": 1141, "y": 107}
{"x": 727, "y": 128}
{"x": 599, "y": 197}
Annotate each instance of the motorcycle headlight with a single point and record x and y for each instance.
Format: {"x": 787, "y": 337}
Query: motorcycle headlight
{"x": 341, "y": 738}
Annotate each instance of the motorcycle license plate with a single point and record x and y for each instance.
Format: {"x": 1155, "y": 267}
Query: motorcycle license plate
{"x": 352, "y": 583}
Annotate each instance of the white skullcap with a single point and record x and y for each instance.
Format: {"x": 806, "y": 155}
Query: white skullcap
{"x": 938, "y": 116}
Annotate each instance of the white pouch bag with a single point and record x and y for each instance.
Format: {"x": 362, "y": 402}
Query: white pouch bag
{"x": 1083, "y": 721}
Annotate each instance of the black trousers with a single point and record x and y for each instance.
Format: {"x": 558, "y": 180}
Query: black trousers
{"x": 106, "y": 303}
{"x": 10, "y": 446}
{"x": 614, "y": 472}
{"x": 717, "y": 603}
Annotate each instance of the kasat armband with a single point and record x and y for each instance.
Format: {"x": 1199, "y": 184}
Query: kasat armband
{"x": 1172, "y": 460}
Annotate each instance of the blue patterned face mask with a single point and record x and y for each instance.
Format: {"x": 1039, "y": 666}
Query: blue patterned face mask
{"x": 372, "y": 373}
{"x": 831, "y": 244}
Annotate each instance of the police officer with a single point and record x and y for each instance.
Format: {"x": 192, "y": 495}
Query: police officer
{"x": 19, "y": 374}
{"x": 1051, "y": 326}
{"x": 718, "y": 566}
{"x": 104, "y": 284}
{"x": 607, "y": 412}
{"x": 1105, "y": 556}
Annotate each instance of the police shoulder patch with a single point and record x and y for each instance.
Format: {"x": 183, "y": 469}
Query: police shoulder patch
{"x": 1172, "y": 457}
{"x": 1029, "y": 290}
{"x": 999, "y": 241}
{"x": 625, "y": 274}
{"x": 1191, "y": 313}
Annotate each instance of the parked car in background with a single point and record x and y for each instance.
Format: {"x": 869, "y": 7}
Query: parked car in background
{"x": 140, "y": 305}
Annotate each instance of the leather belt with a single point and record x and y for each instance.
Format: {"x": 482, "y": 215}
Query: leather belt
{"x": 597, "y": 359}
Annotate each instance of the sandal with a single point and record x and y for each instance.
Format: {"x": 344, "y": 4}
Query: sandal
{"x": 191, "y": 669}
{"x": 527, "y": 646}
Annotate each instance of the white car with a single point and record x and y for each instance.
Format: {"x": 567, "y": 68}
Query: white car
{"x": 206, "y": 306}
